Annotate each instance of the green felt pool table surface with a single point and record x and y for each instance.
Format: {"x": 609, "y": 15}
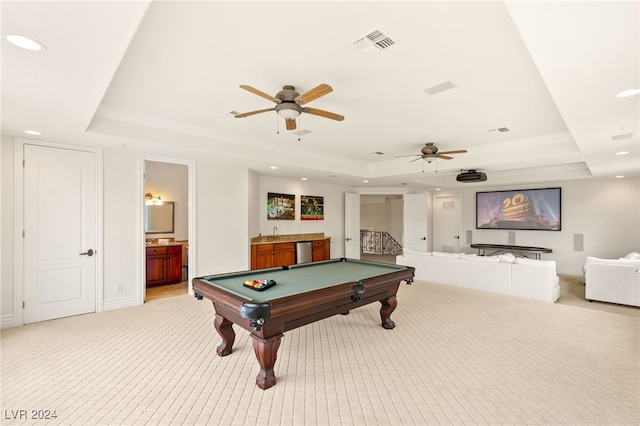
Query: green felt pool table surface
{"x": 299, "y": 278}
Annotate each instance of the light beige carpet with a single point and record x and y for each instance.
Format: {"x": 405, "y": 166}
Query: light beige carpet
{"x": 456, "y": 357}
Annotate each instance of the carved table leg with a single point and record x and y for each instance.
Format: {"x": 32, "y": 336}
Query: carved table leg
{"x": 266, "y": 352}
{"x": 225, "y": 330}
{"x": 388, "y": 306}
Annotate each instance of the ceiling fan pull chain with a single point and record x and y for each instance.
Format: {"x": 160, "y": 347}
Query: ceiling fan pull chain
{"x": 299, "y": 126}
{"x": 277, "y": 124}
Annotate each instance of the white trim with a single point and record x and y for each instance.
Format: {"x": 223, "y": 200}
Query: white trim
{"x": 6, "y": 321}
{"x": 18, "y": 227}
{"x": 191, "y": 191}
{"x": 18, "y": 220}
{"x": 122, "y": 302}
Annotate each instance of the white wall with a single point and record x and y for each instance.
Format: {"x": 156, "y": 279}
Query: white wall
{"x": 605, "y": 211}
{"x": 222, "y": 194}
{"x": 332, "y": 225}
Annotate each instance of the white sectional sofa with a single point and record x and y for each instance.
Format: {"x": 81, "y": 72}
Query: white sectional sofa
{"x": 613, "y": 280}
{"x": 503, "y": 274}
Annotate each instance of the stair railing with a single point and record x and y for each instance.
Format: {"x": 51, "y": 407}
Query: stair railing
{"x": 378, "y": 242}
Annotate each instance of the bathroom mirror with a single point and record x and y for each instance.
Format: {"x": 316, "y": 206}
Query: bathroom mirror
{"x": 158, "y": 219}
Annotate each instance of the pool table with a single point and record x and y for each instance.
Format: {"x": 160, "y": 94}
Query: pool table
{"x": 303, "y": 293}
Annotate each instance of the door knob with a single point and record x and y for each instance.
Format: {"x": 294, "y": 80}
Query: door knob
{"x": 348, "y": 239}
{"x": 88, "y": 253}
{"x": 457, "y": 237}
{"x": 423, "y": 238}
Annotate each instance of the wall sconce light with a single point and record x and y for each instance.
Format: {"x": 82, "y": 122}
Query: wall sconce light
{"x": 151, "y": 200}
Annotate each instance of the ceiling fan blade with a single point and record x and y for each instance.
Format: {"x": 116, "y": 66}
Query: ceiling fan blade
{"x": 291, "y": 124}
{"x": 444, "y": 157}
{"x": 398, "y": 156}
{"x": 246, "y": 114}
{"x": 260, "y": 93}
{"x": 419, "y": 158}
{"x": 460, "y": 151}
{"x": 314, "y": 93}
{"x": 322, "y": 113}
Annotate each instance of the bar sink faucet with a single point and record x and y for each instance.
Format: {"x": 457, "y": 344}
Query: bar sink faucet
{"x": 275, "y": 231}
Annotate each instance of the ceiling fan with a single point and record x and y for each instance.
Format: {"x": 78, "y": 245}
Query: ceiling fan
{"x": 430, "y": 152}
{"x": 288, "y": 103}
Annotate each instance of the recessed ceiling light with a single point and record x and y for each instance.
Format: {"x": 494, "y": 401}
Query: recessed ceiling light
{"x": 274, "y": 167}
{"x": 33, "y": 132}
{"x": 619, "y": 177}
{"x": 622, "y": 153}
{"x": 25, "y": 42}
{"x": 628, "y": 92}
{"x": 305, "y": 178}
{"x": 365, "y": 181}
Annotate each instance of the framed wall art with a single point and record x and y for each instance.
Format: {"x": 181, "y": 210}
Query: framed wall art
{"x": 281, "y": 206}
{"x": 311, "y": 207}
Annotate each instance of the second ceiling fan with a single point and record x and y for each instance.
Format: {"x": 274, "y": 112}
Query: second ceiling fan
{"x": 430, "y": 152}
{"x": 289, "y": 103}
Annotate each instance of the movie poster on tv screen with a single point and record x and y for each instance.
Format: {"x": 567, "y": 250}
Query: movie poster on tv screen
{"x": 281, "y": 206}
{"x": 534, "y": 209}
{"x": 311, "y": 207}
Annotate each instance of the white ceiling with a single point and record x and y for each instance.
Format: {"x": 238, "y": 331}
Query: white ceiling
{"x": 163, "y": 77}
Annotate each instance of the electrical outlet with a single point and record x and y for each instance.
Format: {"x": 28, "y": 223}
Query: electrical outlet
{"x": 120, "y": 288}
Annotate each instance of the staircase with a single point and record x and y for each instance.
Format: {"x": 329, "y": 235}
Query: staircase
{"x": 377, "y": 242}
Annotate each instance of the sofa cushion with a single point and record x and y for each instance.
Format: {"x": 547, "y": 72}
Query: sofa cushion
{"x": 591, "y": 259}
{"x": 527, "y": 261}
{"x": 475, "y": 258}
{"x": 443, "y": 254}
{"x": 507, "y": 258}
{"x": 622, "y": 261}
{"x": 630, "y": 262}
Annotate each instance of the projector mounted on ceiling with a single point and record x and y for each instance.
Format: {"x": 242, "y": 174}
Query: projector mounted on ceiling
{"x": 471, "y": 176}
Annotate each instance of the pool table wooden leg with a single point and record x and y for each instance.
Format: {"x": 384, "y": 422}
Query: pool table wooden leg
{"x": 388, "y": 306}
{"x": 225, "y": 330}
{"x": 266, "y": 352}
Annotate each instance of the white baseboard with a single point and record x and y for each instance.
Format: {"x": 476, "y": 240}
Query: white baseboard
{"x": 6, "y": 321}
{"x": 122, "y": 302}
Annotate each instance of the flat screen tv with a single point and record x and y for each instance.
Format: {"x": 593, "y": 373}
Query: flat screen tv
{"x": 536, "y": 209}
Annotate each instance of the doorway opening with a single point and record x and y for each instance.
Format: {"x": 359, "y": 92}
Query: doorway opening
{"x": 168, "y": 228}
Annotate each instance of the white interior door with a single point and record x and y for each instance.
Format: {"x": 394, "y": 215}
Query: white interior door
{"x": 447, "y": 223}
{"x": 414, "y": 215}
{"x": 352, "y": 225}
{"x": 60, "y": 232}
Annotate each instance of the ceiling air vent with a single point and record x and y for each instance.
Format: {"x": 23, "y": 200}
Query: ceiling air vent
{"x": 622, "y": 136}
{"x": 441, "y": 87}
{"x": 374, "y": 42}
